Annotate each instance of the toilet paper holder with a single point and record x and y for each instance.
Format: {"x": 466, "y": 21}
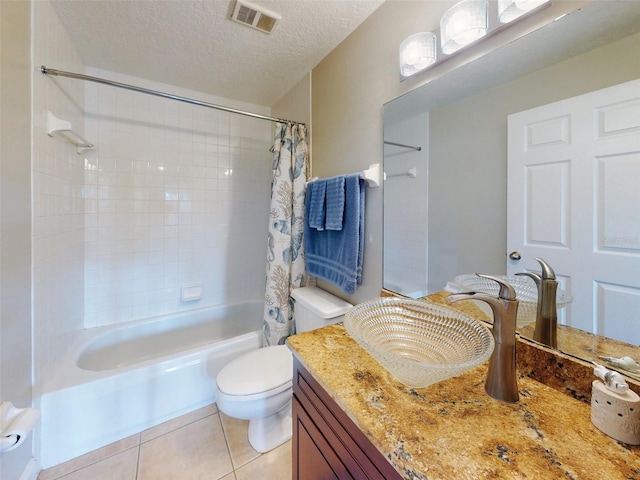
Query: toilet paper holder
{"x": 15, "y": 425}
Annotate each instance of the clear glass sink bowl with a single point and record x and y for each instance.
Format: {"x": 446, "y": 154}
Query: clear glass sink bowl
{"x": 526, "y": 294}
{"x": 419, "y": 343}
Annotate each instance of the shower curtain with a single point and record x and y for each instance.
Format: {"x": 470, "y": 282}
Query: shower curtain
{"x": 285, "y": 261}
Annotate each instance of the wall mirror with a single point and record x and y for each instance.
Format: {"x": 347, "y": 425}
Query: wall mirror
{"x": 445, "y": 154}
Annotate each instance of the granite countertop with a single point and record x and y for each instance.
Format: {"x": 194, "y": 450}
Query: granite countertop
{"x": 452, "y": 430}
{"x": 589, "y": 346}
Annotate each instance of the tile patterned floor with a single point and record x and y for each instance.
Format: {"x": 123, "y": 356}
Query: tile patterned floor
{"x": 202, "y": 445}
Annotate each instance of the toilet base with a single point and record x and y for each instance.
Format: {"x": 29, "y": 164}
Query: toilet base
{"x": 270, "y": 432}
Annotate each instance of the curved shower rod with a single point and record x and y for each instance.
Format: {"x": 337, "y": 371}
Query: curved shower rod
{"x": 79, "y": 76}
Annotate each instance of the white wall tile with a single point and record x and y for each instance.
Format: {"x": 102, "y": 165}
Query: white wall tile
{"x": 164, "y": 190}
{"x": 118, "y": 230}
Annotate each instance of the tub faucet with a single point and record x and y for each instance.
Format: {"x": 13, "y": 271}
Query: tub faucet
{"x": 546, "y": 330}
{"x": 501, "y": 382}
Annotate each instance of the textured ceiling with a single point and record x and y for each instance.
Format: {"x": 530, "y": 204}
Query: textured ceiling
{"x": 194, "y": 44}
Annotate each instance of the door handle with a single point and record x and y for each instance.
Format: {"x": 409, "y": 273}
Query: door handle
{"x": 515, "y": 256}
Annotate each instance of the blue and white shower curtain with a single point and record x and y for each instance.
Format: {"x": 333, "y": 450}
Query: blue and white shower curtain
{"x": 285, "y": 253}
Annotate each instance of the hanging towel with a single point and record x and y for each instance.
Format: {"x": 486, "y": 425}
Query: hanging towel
{"x": 336, "y": 256}
{"x": 334, "y": 210}
{"x": 316, "y": 192}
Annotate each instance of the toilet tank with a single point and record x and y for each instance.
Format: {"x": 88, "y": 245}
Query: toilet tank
{"x": 315, "y": 308}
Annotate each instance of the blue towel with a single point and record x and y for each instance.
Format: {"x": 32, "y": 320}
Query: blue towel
{"x": 334, "y": 209}
{"x": 336, "y": 256}
{"x": 316, "y": 192}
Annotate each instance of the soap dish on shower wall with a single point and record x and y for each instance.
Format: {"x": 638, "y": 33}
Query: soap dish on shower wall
{"x": 64, "y": 129}
{"x": 191, "y": 292}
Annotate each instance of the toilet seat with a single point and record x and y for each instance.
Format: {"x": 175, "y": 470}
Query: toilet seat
{"x": 258, "y": 374}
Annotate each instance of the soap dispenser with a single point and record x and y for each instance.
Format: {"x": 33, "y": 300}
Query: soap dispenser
{"x": 615, "y": 409}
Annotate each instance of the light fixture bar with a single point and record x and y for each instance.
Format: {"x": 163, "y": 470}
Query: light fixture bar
{"x": 499, "y": 16}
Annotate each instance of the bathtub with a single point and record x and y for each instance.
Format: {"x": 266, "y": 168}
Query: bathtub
{"x": 123, "y": 379}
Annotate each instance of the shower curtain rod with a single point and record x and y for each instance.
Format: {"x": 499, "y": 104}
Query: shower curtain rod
{"x": 61, "y": 73}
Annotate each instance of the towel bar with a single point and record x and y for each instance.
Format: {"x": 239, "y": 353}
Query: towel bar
{"x": 412, "y": 172}
{"x": 371, "y": 175}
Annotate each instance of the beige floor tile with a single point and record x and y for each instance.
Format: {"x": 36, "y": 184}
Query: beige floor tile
{"x": 121, "y": 466}
{"x": 196, "y": 451}
{"x": 231, "y": 476}
{"x": 90, "y": 458}
{"x": 273, "y": 465}
{"x": 236, "y": 433}
{"x": 179, "y": 422}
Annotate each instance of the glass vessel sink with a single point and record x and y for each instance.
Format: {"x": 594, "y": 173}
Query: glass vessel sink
{"x": 419, "y": 343}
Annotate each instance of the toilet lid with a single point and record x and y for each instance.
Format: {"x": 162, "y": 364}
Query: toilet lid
{"x": 259, "y": 371}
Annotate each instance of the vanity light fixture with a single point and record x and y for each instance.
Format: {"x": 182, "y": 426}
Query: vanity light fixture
{"x": 509, "y": 10}
{"x": 463, "y": 24}
{"x": 417, "y": 52}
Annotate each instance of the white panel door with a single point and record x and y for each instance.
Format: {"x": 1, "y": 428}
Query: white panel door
{"x": 574, "y": 200}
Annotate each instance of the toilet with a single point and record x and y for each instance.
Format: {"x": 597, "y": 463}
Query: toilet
{"x": 257, "y": 386}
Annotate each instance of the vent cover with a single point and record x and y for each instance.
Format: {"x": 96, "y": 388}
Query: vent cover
{"x": 254, "y": 16}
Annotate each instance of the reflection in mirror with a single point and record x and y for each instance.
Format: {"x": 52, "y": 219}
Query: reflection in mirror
{"x": 405, "y": 235}
{"x": 455, "y": 221}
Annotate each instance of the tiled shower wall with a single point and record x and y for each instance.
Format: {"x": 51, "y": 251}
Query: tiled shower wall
{"x": 173, "y": 194}
{"x": 57, "y": 203}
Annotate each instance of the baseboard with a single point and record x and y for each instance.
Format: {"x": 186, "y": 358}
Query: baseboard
{"x": 31, "y": 471}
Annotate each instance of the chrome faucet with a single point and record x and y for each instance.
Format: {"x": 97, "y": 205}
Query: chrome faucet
{"x": 546, "y": 330}
{"x": 501, "y": 383}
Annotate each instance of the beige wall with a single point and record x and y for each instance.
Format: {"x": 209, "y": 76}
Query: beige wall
{"x": 296, "y": 104}
{"x": 353, "y": 82}
{"x": 349, "y": 88}
{"x": 15, "y": 220}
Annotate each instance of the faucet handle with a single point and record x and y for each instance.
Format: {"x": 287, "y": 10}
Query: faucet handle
{"x": 507, "y": 292}
{"x": 547, "y": 271}
{"x": 533, "y": 276}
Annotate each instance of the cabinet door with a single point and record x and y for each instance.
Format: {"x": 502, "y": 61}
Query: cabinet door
{"x": 321, "y": 425}
{"x": 314, "y": 459}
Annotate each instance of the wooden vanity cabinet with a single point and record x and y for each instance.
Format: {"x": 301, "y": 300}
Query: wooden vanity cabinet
{"x": 326, "y": 443}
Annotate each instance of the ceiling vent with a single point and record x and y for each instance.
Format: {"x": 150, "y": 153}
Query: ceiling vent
{"x": 254, "y": 16}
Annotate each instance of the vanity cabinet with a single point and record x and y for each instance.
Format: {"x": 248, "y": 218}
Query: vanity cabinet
{"x": 326, "y": 443}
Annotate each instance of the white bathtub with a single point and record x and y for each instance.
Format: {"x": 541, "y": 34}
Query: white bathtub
{"x": 123, "y": 379}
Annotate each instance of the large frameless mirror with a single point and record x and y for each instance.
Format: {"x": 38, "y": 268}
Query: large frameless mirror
{"x": 445, "y": 204}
